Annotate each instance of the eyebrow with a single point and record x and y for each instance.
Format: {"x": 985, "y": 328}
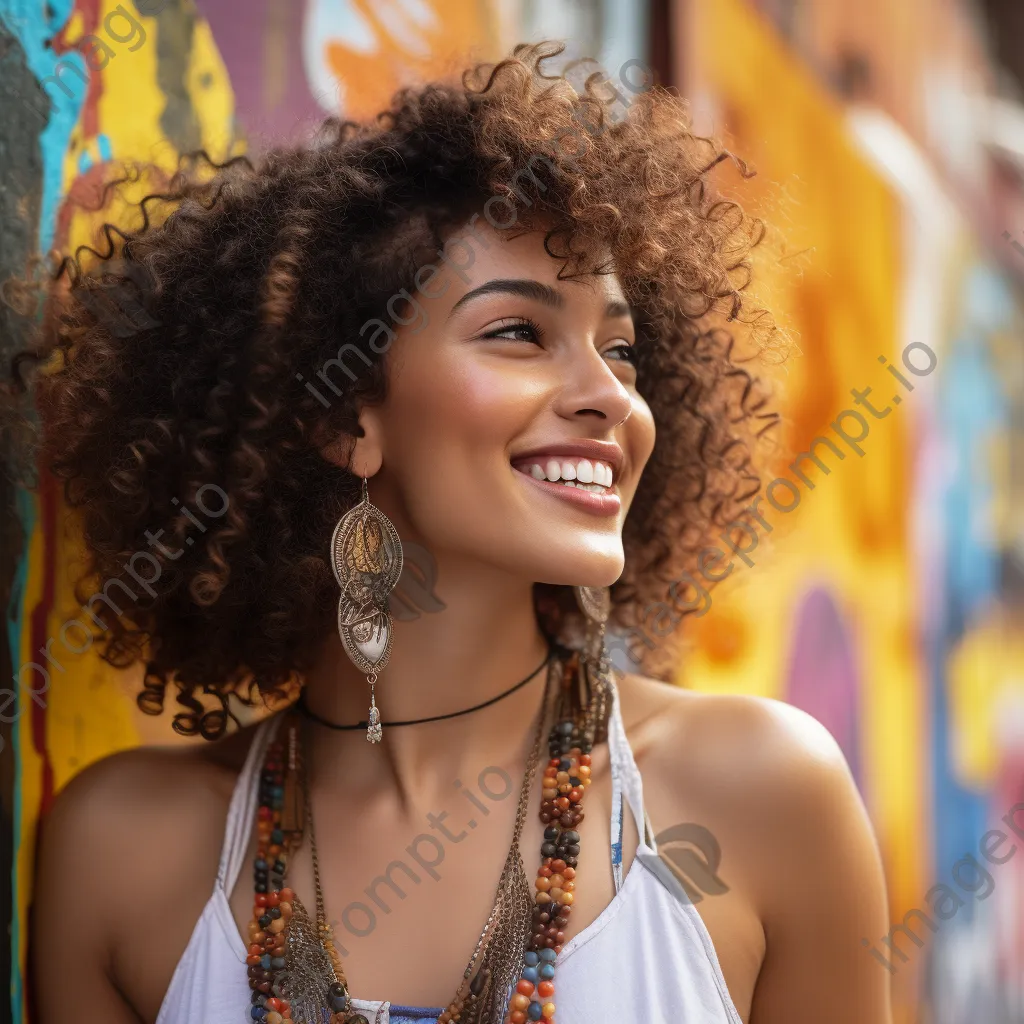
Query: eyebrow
{"x": 536, "y": 290}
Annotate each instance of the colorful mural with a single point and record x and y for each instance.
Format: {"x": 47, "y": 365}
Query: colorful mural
{"x": 893, "y": 607}
{"x": 888, "y": 601}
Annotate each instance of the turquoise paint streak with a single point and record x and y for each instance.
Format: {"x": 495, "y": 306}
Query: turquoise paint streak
{"x": 26, "y": 21}
{"x": 15, "y": 619}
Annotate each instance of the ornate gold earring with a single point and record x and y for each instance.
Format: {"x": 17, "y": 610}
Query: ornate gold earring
{"x": 594, "y": 665}
{"x": 366, "y": 555}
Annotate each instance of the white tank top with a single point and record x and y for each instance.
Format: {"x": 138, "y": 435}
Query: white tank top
{"x": 646, "y": 956}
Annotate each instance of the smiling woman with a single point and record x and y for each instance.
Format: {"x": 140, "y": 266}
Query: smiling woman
{"x": 555, "y": 412}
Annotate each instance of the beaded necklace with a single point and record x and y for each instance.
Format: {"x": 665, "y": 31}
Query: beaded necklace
{"x": 295, "y": 971}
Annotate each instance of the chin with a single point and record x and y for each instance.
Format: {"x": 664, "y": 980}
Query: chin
{"x": 573, "y": 569}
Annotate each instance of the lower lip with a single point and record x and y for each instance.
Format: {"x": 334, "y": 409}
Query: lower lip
{"x": 590, "y": 501}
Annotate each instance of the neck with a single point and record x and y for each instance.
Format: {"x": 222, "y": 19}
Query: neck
{"x": 484, "y": 640}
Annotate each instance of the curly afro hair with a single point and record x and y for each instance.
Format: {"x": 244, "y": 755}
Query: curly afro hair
{"x": 243, "y": 277}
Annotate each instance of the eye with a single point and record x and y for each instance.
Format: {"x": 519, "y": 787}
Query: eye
{"x": 518, "y": 329}
{"x": 624, "y": 352}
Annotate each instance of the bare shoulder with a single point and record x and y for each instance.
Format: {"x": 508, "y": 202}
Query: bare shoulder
{"x": 129, "y": 792}
{"x": 144, "y": 823}
{"x": 758, "y": 740}
{"x": 132, "y": 840}
{"x": 768, "y": 780}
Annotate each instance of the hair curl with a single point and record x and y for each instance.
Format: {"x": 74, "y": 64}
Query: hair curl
{"x": 242, "y": 276}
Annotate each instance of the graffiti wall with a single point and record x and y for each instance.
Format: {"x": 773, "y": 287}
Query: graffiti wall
{"x": 884, "y": 593}
{"x": 890, "y": 602}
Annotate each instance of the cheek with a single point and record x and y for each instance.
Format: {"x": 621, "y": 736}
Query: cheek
{"x": 641, "y": 431}
{"x": 468, "y": 406}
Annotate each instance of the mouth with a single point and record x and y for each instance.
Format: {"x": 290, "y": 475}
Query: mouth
{"x": 587, "y": 483}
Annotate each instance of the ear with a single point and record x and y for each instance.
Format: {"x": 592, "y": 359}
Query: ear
{"x": 361, "y": 455}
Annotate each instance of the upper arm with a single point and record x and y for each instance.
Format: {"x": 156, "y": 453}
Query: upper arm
{"x": 75, "y": 901}
{"x": 821, "y": 885}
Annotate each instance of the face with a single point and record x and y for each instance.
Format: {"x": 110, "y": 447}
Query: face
{"x": 512, "y": 434}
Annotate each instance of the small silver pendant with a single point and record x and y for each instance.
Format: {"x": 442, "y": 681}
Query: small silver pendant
{"x": 373, "y": 729}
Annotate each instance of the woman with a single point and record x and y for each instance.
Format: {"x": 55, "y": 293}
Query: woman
{"x": 498, "y": 315}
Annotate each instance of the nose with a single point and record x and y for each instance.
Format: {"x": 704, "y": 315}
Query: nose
{"x": 591, "y": 390}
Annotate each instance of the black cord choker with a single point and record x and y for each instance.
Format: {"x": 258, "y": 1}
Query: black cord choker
{"x": 302, "y": 706}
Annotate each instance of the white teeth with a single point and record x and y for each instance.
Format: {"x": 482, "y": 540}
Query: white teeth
{"x": 595, "y": 488}
{"x": 583, "y": 473}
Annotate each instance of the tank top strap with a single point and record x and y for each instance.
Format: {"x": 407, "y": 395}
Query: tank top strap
{"x": 627, "y": 787}
{"x": 242, "y": 808}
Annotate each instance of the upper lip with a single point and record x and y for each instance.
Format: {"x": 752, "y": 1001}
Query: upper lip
{"x": 600, "y": 451}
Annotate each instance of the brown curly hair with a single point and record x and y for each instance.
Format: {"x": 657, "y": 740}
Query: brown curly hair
{"x": 244, "y": 277}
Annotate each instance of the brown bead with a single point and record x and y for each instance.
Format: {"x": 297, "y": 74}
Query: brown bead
{"x": 562, "y": 803}
{"x": 566, "y": 819}
{"x": 558, "y": 866}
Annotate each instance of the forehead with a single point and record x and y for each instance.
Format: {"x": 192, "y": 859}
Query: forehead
{"x": 476, "y": 254}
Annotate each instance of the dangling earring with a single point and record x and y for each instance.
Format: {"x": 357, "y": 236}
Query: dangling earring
{"x": 594, "y": 666}
{"x": 366, "y": 555}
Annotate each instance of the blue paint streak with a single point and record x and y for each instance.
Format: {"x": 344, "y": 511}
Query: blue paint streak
{"x": 974, "y": 409}
{"x": 26, "y": 21}
{"x": 15, "y": 623}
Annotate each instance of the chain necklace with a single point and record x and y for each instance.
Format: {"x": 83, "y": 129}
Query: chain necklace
{"x": 295, "y": 971}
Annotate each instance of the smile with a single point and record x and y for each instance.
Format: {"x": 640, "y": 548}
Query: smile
{"x": 586, "y": 483}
